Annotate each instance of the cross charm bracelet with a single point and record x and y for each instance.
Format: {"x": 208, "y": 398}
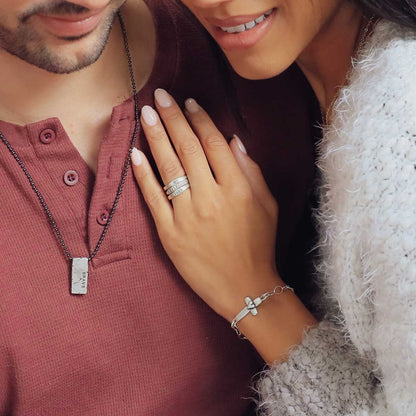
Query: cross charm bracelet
{"x": 251, "y": 306}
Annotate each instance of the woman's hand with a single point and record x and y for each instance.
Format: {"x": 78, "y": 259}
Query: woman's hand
{"x": 220, "y": 233}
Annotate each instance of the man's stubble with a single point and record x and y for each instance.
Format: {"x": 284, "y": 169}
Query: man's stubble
{"x": 28, "y": 45}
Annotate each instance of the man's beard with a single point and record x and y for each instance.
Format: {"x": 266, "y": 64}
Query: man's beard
{"x": 28, "y": 45}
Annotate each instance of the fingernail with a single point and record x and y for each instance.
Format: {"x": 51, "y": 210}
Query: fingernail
{"x": 240, "y": 144}
{"x": 149, "y": 115}
{"x": 163, "y": 98}
{"x": 192, "y": 106}
{"x": 136, "y": 157}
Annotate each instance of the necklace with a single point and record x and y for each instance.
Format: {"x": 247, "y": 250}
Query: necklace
{"x": 363, "y": 34}
{"x": 79, "y": 274}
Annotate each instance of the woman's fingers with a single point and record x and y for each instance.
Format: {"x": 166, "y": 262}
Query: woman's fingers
{"x": 253, "y": 173}
{"x": 167, "y": 161}
{"x": 185, "y": 141}
{"x": 216, "y": 148}
{"x": 153, "y": 193}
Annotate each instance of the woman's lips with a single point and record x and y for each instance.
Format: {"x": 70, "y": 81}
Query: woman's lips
{"x": 70, "y": 26}
{"x": 245, "y": 39}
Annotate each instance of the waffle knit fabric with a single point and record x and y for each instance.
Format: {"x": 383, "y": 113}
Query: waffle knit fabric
{"x": 361, "y": 360}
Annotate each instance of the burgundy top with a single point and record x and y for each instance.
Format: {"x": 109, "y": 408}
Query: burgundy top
{"x": 140, "y": 342}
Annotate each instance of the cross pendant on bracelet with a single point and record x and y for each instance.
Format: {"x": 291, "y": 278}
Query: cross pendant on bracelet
{"x": 252, "y": 305}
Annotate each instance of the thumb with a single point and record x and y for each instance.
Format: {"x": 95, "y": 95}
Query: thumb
{"x": 255, "y": 178}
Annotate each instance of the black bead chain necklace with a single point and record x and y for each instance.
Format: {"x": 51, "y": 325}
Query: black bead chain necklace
{"x": 79, "y": 275}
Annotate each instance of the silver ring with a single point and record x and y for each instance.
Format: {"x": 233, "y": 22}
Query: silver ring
{"x": 179, "y": 191}
{"x": 173, "y": 188}
{"x": 175, "y": 182}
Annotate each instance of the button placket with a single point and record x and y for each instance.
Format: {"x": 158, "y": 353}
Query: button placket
{"x": 111, "y": 160}
{"x": 69, "y": 198}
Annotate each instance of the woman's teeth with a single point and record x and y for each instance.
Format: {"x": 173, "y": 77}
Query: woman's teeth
{"x": 248, "y": 25}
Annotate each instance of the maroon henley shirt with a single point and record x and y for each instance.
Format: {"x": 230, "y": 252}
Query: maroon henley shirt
{"x": 140, "y": 342}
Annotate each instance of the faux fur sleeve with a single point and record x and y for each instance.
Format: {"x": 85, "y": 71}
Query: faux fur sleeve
{"x": 325, "y": 376}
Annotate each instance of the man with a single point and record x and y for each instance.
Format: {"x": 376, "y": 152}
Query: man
{"x": 119, "y": 333}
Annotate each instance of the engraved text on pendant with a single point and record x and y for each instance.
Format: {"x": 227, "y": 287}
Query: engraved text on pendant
{"x": 79, "y": 279}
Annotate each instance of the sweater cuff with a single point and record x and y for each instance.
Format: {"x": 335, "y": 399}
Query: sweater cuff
{"x": 325, "y": 375}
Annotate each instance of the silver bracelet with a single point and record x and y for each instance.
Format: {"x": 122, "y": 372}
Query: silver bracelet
{"x": 252, "y": 306}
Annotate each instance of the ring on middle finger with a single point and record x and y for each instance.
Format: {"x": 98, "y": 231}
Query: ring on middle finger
{"x": 175, "y": 182}
{"x": 178, "y": 191}
{"x": 174, "y": 188}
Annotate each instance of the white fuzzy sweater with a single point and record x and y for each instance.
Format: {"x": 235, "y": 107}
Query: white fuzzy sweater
{"x": 362, "y": 359}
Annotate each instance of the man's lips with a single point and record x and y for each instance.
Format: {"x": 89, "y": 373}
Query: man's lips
{"x": 64, "y": 26}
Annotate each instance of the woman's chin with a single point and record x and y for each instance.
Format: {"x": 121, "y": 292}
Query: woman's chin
{"x": 257, "y": 70}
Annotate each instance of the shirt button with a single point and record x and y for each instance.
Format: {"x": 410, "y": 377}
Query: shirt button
{"x": 103, "y": 216}
{"x": 47, "y": 136}
{"x": 71, "y": 177}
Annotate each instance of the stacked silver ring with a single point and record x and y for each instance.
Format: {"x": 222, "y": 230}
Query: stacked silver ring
{"x": 176, "y": 187}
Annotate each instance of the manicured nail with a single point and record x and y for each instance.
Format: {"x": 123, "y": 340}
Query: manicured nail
{"x": 192, "y": 106}
{"x": 149, "y": 115}
{"x": 240, "y": 144}
{"x": 136, "y": 157}
{"x": 163, "y": 98}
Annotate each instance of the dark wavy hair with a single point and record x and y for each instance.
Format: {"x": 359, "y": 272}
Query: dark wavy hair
{"x": 402, "y": 12}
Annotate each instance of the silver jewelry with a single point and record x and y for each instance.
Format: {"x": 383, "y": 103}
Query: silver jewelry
{"x": 252, "y": 306}
{"x": 175, "y": 182}
{"x": 179, "y": 191}
{"x": 176, "y": 187}
{"x": 79, "y": 269}
{"x": 173, "y": 188}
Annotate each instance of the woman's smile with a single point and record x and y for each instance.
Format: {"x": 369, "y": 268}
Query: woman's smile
{"x": 241, "y": 32}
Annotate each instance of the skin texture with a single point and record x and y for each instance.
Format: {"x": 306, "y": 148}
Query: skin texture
{"x": 31, "y": 56}
{"x": 220, "y": 232}
{"x": 319, "y": 34}
{"x": 24, "y": 35}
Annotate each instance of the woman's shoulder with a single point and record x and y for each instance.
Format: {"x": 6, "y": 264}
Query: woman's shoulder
{"x": 373, "y": 127}
{"x": 381, "y": 90}
{"x": 386, "y": 62}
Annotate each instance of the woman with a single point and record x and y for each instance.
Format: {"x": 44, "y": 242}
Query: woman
{"x": 360, "y": 60}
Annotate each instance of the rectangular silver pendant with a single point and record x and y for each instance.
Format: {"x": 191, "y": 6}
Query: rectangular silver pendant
{"x": 79, "y": 280}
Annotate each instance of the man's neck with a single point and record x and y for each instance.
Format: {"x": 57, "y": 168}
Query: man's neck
{"x": 29, "y": 94}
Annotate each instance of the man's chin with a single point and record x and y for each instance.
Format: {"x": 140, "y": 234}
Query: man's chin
{"x": 59, "y": 55}
{"x": 56, "y": 62}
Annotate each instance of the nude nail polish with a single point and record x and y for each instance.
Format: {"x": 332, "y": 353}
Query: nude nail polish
{"x": 163, "y": 98}
{"x": 192, "y": 106}
{"x": 136, "y": 157}
{"x": 240, "y": 144}
{"x": 149, "y": 115}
